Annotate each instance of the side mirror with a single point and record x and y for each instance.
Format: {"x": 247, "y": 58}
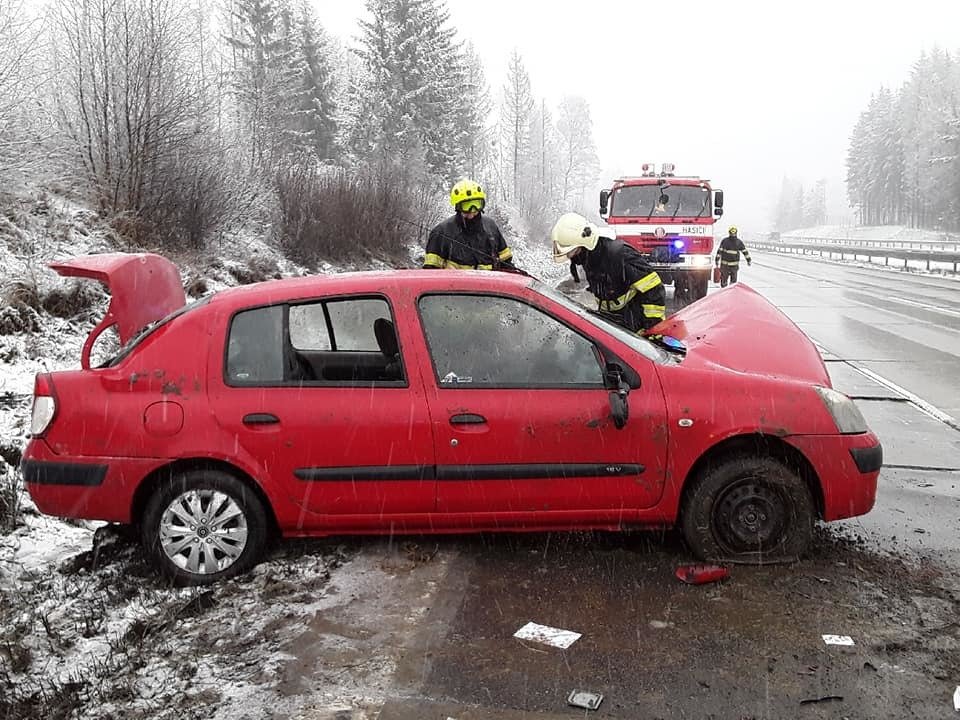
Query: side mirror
{"x": 718, "y": 199}
{"x": 604, "y": 201}
{"x": 619, "y": 390}
{"x": 718, "y": 211}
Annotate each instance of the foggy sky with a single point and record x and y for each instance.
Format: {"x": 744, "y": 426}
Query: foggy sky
{"x": 739, "y": 92}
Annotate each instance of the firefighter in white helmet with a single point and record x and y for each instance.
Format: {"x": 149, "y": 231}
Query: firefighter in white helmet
{"x": 625, "y": 286}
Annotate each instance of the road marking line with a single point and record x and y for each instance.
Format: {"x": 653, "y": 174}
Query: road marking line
{"x": 924, "y": 306}
{"x": 921, "y": 404}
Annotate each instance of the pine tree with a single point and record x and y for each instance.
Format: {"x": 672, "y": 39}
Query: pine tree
{"x": 515, "y": 115}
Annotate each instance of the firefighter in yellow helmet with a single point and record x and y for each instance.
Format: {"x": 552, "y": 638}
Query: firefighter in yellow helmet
{"x": 728, "y": 256}
{"x": 468, "y": 239}
{"x": 625, "y": 286}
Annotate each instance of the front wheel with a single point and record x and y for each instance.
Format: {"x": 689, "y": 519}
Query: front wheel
{"x": 750, "y": 510}
{"x": 203, "y": 526}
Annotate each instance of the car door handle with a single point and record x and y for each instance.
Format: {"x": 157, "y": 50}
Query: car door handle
{"x": 467, "y": 419}
{"x": 260, "y": 419}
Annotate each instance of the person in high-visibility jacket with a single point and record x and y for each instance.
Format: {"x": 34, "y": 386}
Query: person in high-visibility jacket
{"x": 728, "y": 257}
{"x": 626, "y": 287}
{"x": 468, "y": 240}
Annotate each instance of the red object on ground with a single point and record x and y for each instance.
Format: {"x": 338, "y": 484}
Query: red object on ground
{"x": 701, "y": 574}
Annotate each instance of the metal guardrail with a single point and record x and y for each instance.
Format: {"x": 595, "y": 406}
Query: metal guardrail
{"x": 946, "y": 245}
{"x": 845, "y": 250}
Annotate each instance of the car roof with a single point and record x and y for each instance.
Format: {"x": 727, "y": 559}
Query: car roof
{"x": 373, "y": 282}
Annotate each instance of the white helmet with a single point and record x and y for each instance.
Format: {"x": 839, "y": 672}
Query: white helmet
{"x": 573, "y": 231}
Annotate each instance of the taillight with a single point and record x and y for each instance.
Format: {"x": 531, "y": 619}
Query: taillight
{"x": 44, "y": 406}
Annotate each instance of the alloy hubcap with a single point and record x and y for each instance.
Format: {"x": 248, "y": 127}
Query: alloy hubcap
{"x": 203, "y": 531}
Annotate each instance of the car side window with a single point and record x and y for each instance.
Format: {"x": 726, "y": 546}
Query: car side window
{"x": 255, "y": 347}
{"x": 346, "y": 341}
{"x": 488, "y": 341}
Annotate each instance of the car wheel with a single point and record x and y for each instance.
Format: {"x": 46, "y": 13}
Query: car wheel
{"x": 750, "y": 510}
{"x": 203, "y": 526}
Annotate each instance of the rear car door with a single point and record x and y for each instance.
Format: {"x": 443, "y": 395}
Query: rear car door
{"x": 522, "y": 417}
{"x": 333, "y": 421}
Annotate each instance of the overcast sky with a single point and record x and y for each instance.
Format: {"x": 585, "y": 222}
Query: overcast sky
{"x": 739, "y": 92}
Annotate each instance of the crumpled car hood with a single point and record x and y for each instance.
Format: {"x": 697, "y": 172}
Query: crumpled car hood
{"x": 738, "y": 329}
{"x": 143, "y": 288}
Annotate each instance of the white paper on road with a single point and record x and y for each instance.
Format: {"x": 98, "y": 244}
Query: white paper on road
{"x": 547, "y": 635}
{"x": 838, "y": 640}
{"x": 956, "y": 698}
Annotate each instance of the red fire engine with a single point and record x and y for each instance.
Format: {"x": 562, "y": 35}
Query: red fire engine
{"x": 669, "y": 218}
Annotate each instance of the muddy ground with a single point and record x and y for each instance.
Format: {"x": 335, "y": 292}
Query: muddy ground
{"x": 423, "y": 628}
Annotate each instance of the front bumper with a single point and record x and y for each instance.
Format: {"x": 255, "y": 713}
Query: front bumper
{"x": 848, "y": 467}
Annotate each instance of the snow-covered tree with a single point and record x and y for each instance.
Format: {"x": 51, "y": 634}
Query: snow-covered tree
{"x": 580, "y": 165}
{"x": 515, "y": 116}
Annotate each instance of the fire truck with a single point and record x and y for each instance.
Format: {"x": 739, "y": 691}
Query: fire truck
{"x": 669, "y": 218}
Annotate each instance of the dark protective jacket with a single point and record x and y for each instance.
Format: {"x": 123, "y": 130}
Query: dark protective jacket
{"x": 728, "y": 252}
{"x": 467, "y": 244}
{"x": 624, "y": 284}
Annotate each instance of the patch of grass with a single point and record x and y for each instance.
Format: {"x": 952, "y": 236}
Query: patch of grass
{"x": 9, "y": 499}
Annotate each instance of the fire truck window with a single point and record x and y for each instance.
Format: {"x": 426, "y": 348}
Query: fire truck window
{"x": 651, "y": 201}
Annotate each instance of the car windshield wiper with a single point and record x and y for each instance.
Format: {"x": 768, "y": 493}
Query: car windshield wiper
{"x": 706, "y": 197}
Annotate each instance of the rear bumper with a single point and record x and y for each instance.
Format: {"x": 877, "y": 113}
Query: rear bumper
{"x": 847, "y": 466}
{"x": 98, "y": 488}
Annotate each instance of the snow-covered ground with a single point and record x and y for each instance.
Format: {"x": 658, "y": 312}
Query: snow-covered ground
{"x": 86, "y": 628}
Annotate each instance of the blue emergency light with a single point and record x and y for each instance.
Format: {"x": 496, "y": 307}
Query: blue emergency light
{"x": 678, "y": 244}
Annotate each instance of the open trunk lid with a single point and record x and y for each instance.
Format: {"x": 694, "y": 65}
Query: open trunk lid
{"x": 144, "y": 288}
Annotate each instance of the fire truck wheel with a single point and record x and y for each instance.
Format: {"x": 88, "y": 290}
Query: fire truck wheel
{"x": 699, "y": 287}
{"x": 681, "y": 289}
{"x": 750, "y": 510}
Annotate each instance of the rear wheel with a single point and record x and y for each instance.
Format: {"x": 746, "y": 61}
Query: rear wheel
{"x": 203, "y": 526}
{"x": 751, "y": 510}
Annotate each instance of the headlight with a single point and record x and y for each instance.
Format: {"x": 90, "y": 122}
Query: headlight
{"x": 843, "y": 410}
{"x": 698, "y": 261}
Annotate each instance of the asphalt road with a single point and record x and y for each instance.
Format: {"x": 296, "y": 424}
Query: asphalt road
{"x": 751, "y": 646}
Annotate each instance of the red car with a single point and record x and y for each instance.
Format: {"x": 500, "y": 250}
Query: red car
{"x": 438, "y": 402}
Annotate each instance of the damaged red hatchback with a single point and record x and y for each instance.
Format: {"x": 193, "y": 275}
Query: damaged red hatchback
{"x": 438, "y": 402}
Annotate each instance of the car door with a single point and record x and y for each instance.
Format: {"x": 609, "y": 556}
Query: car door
{"x": 332, "y": 421}
{"x": 522, "y": 417}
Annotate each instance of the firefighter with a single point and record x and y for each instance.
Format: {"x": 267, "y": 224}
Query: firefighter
{"x": 625, "y": 286}
{"x": 468, "y": 240}
{"x": 728, "y": 256}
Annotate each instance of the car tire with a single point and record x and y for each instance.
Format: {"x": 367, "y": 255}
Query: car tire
{"x": 749, "y": 510}
{"x": 188, "y": 544}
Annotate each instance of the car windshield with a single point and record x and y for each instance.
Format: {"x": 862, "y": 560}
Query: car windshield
{"x": 641, "y": 345}
{"x": 655, "y": 201}
{"x": 150, "y": 329}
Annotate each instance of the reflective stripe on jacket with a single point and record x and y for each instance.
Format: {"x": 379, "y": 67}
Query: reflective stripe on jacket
{"x": 728, "y": 253}
{"x": 474, "y": 244}
{"x": 624, "y": 284}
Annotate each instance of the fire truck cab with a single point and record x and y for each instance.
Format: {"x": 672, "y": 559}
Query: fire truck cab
{"x": 670, "y": 219}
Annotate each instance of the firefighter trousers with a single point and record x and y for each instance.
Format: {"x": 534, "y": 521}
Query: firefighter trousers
{"x": 728, "y": 273}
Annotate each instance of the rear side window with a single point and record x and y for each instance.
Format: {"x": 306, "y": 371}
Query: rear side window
{"x": 255, "y": 349}
{"x": 342, "y": 341}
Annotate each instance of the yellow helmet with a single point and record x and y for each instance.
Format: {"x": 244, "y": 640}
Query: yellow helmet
{"x": 732, "y": 230}
{"x": 570, "y": 232}
{"x": 467, "y": 190}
